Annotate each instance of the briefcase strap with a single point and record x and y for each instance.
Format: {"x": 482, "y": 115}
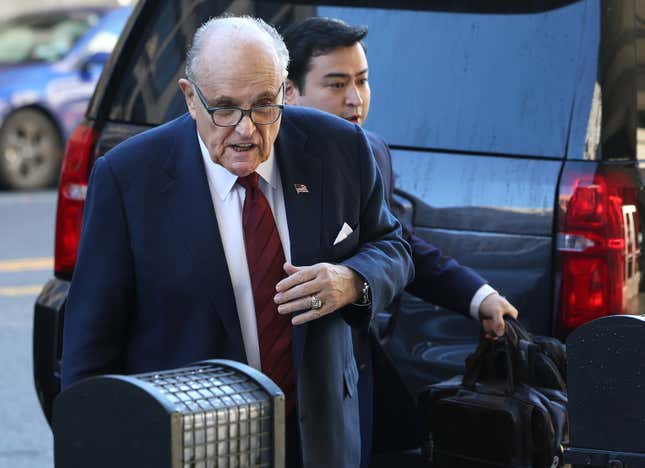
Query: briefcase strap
{"x": 483, "y": 361}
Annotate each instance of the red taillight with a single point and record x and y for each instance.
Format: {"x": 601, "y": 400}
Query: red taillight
{"x": 71, "y": 197}
{"x": 597, "y": 246}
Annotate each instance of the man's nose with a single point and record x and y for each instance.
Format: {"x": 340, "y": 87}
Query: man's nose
{"x": 353, "y": 96}
{"x": 245, "y": 127}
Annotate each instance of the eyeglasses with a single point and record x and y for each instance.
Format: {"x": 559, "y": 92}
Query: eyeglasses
{"x": 230, "y": 116}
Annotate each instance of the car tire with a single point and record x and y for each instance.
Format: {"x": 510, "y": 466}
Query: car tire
{"x": 31, "y": 151}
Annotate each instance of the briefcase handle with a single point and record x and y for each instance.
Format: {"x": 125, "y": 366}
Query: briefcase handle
{"x": 485, "y": 363}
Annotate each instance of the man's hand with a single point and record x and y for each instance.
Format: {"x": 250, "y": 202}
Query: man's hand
{"x": 491, "y": 314}
{"x": 335, "y": 285}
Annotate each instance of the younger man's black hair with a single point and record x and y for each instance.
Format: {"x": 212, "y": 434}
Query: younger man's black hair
{"x": 317, "y": 36}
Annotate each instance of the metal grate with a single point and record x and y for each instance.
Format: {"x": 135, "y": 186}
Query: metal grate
{"x": 226, "y": 417}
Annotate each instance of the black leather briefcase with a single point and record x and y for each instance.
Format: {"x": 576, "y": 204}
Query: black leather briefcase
{"x": 492, "y": 417}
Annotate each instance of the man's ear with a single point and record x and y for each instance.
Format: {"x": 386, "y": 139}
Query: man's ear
{"x": 291, "y": 93}
{"x": 189, "y": 95}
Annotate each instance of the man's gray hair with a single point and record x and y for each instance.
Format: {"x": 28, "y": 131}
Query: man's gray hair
{"x": 192, "y": 57}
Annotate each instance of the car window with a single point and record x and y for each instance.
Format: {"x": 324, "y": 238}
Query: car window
{"x": 41, "y": 38}
{"x": 494, "y": 82}
{"x": 107, "y": 32}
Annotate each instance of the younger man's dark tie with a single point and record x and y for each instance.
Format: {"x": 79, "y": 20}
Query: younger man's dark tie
{"x": 265, "y": 257}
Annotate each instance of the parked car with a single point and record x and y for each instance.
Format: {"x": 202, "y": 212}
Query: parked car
{"x": 513, "y": 132}
{"x": 50, "y": 62}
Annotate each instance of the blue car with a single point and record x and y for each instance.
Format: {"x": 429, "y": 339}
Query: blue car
{"x": 49, "y": 65}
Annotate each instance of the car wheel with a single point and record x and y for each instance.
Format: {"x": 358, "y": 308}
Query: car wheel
{"x": 31, "y": 151}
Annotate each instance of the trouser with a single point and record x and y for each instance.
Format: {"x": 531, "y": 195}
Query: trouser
{"x": 292, "y": 446}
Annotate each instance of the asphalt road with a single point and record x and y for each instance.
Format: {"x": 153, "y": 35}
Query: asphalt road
{"x": 26, "y": 248}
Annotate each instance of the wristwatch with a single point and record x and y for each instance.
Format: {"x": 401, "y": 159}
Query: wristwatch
{"x": 365, "y": 298}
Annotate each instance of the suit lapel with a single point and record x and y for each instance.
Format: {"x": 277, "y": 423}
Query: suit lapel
{"x": 189, "y": 201}
{"x": 300, "y": 169}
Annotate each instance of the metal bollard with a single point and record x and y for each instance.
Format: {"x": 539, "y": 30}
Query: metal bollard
{"x": 214, "y": 413}
{"x": 606, "y": 388}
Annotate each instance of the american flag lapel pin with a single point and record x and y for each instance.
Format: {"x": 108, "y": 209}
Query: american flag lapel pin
{"x": 301, "y": 188}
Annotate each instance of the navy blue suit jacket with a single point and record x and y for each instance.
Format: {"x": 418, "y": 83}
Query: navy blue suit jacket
{"x": 151, "y": 288}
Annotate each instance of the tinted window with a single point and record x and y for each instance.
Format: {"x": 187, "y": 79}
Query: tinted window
{"x": 495, "y": 83}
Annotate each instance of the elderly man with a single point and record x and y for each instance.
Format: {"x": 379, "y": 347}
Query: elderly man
{"x": 244, "y": 232}
{"x": 329, "y": 71}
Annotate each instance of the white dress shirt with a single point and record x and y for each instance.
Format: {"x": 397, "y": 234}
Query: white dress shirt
{"x": 228, "y": 201}
{"x": 482, "y": 293}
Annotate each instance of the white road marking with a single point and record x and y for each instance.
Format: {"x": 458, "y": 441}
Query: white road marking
{"x": 26, "y": 264}
{"x": 21, "y": 290}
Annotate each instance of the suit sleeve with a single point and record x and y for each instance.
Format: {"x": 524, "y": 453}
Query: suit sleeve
{"x": 383, "y": 258}
{"x": 101, "y": 293}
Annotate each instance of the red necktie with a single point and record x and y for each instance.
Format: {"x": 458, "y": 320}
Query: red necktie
{"x": 265, "y": 257}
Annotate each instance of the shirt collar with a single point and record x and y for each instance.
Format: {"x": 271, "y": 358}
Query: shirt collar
{"x": 224, "y": 181}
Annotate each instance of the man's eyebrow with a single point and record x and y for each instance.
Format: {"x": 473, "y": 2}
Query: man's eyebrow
{"x": 221, "y": 101}
{"x": 228, "y": 101}
{"x": 336, "y": 75}
{"x": 343, "y": 75}
{"x": 266, "y": 95}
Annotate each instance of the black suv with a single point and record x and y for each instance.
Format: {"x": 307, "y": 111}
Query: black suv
{"x": 513, "y": 131}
